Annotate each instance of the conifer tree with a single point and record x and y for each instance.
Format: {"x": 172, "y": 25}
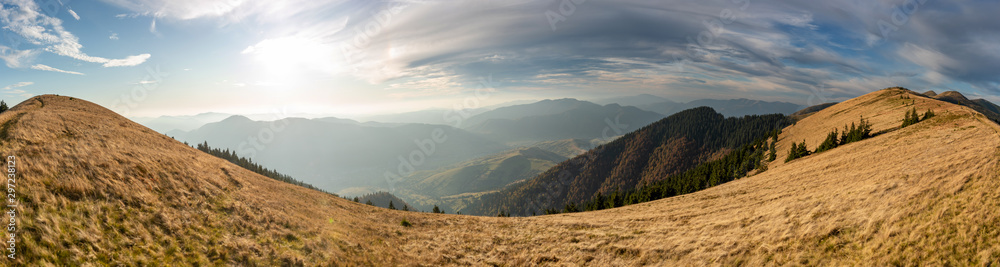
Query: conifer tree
{"x": 911, "y": 118}
{"x": 369, "y": 202}
{"x": 772, "y": 151}
{"x": 3, "y": 106}
{"x": 391, "y": 207}
{"x": 436, "y": 209}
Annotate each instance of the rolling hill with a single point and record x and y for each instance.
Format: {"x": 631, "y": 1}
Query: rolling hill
{"x": 96, "y": 188}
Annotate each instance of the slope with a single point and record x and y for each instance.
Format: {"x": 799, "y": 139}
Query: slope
{"x": 97, "y": 188}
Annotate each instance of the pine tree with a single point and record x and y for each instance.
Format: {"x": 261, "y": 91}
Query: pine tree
{"x": 911, "y": 118}
{"x": 369, "y": 202}
{"x": 436, "y": 209}
{"x": 772, "y": 151}
{"x": 406, "y": 208}
{"x": 792, "y": 152}
{"x": 356, "y": 199}
{"x": 391, "y": 207}
{"x": 3, "y": 106}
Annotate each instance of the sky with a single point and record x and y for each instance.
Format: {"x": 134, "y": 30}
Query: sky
{"x": 179, "y": 57}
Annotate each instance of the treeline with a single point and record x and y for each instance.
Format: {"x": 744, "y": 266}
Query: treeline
{"x": 735, "y": 165}
{"x": 248, "y": 164}
{"x": 652, "y": 153}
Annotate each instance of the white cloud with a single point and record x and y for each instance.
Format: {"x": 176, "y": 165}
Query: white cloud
{"x": 24, "y": 17}
{"x": 12, "y": 89}
{"x": 128, "y": 61}
{"x": 16, "y": 85}
{"x": 181, "y": 9}
{"x": 48, "y": 68}
{"x": 16, "y": 58}
{"x": 114, "y": 36}
{"x": 927, "y": 58}
{"x": 75, "y": 16}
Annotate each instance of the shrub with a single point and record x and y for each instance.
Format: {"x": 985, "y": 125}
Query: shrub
{"x": 405, "y": 223}
{"x": 927, "y": 115}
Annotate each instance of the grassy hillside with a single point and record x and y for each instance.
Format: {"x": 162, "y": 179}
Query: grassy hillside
{"x": 95, "y": 188}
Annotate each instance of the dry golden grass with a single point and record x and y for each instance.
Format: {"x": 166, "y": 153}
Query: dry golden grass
{"x": 100, "y": 189}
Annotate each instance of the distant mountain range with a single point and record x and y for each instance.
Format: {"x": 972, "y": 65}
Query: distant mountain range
{"x": 354, "y": 158}
{"x": 558, "y": 119}
{"x": 337, "y": 155}
{"x": 729, "y": 108}
{"x": 992, "y": 111}
{"x": 166, "y": 124}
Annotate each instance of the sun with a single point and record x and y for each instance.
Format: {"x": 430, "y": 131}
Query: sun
{"x": 286, "y": 60}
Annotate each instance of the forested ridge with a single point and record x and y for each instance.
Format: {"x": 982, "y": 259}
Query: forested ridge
{"x": 648, "y": 155}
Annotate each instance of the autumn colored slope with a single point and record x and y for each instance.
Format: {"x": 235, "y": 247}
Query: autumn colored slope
{"x": 99, "y": 189}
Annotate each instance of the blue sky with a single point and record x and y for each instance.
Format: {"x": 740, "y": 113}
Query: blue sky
{"x": 175, "y": 57}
